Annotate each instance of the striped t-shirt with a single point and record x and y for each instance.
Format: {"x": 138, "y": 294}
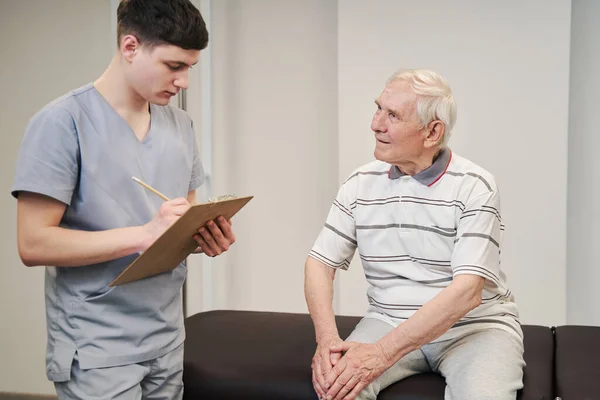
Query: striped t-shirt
{"x": 415, "y": 233}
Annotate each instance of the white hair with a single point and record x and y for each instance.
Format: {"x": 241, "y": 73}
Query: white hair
{"x": 434, "y": 98}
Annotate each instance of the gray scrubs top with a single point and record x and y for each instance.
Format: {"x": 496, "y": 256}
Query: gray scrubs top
{"x": 79, "y": 151}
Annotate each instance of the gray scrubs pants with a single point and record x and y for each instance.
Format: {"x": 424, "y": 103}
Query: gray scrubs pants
{"x": 158, "y": 379}
{"x": 483, "y": 365}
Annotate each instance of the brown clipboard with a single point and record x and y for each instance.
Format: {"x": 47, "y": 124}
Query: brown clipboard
{"x": 177, "y": 242}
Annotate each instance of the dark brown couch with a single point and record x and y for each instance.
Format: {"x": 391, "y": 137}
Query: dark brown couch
{"x": 246, "y": 355}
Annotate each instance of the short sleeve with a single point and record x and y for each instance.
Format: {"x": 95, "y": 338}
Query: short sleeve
{"x": 336, "y": 243}
{"x": 479, "y": 238}
{"x": 48, "y": 161}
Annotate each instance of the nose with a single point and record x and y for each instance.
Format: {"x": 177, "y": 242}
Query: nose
{"x": 377, "y": 124}
{"x": 182, "y": 80}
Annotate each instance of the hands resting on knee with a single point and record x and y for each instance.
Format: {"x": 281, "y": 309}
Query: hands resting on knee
{"x": 341, "y": 370}
{"x": 323, "y": 362}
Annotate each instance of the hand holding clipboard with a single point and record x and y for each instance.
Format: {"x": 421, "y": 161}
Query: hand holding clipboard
{"x": 177, "y": 242}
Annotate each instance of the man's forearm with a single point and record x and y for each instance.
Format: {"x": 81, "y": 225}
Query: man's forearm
{"x": 61, "y": 247}
{"x": 318, "y": 290}
{"x": 433, "y": 319}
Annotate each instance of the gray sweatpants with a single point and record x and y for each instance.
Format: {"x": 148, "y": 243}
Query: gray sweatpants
{"x": 484, "y": 365}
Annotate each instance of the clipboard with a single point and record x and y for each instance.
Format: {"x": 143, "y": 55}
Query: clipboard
{"x": 177, "y": 242}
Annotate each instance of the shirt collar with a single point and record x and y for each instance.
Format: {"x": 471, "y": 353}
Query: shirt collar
{"x": 430, "y": 175}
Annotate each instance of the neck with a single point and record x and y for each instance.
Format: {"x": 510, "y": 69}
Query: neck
{"x": 110, "y": 85}
{"x": 420, "y": 163}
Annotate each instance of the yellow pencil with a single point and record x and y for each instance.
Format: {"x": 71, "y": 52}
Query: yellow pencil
{"x": 150, "y": 188}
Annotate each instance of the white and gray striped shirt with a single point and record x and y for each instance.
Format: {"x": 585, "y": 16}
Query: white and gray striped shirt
{"x": 415, "y": 233}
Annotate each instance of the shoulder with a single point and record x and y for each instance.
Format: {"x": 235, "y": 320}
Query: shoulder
{"x": 364, "y": 178}
{"x": 472, "y": 175}
{"x": 65, "y": 107}
{"x": 373, "y": 169}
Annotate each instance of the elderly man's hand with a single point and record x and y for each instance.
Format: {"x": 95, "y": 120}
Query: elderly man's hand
{"x": 323, "y": 360}
{"x": 359, "y": 366}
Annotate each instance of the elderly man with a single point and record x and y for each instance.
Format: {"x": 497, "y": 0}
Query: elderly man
{"x": 428, "y": 228}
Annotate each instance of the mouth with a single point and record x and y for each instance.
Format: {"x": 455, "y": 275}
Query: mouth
{"x": 166, "y": 93}
{"x": 381, "y": 141}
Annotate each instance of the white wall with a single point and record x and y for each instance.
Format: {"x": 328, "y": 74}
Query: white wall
{"x": 47, "y": 49}
{"x": 583, "y": 300}
{"x": 508, "y": 65}
{"x": 275, "y": 137}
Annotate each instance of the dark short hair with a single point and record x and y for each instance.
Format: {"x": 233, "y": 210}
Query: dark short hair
{"x": 156, "y": 22}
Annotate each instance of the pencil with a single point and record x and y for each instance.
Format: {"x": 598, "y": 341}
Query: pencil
{"x": 150, "y": 188}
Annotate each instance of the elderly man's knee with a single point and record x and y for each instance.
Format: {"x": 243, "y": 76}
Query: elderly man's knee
{"x": 368, "y": 393}
{"x": 473, "y": 388}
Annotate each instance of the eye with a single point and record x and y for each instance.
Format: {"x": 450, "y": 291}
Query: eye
{"x": 174, "y": 67}
{"x": 392, "y": 115}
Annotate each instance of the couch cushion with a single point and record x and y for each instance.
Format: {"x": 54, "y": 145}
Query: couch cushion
{"x": 248, "y": 355}
{"x": 577, "y": 362}
{"x": 265, "y": 355}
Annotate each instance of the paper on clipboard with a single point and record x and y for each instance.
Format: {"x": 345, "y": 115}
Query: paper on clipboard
{"x": 177, "y": 242}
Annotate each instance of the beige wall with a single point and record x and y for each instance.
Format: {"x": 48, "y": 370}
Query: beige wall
{"x": 47, "y": 49}
{"x": 275, "y": 116}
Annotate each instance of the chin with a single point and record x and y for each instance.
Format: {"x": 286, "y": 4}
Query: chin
{"x": 379, "y": 156}
{"x": 160, "y": 101}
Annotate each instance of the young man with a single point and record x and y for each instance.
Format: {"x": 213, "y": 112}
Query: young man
{"x": 428, "y": 228}
{"x": 80, "y": 213}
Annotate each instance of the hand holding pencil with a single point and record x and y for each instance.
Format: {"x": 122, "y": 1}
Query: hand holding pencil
{"x": 213, "y": 239}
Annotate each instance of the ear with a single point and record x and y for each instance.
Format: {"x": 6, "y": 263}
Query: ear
{"x": 130, "y": 47}
{"x": 435, "y": 133}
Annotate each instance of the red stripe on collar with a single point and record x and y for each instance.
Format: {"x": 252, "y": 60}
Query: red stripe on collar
{"x": 445, "y": 169}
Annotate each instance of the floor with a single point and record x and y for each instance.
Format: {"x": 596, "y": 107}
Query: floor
{"x": 23, "y": 396}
